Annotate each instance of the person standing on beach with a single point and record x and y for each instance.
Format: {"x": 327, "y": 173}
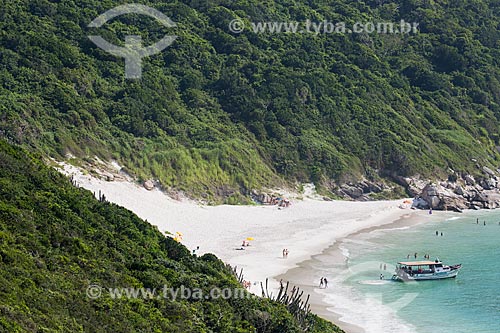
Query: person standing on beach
{"x": 415, "y": 255}
{"x": 408, "y": 256}
{"x": 441, "y": 234}
{"x": 321, "y": 283}
{"x": 326, "y": 282}
{"x": 385, "y": 267}
{"x": 284, "y": 253}
{"x": 477, "y": 220}
{"x": 484, "y": 222}
{"x": 437, "y": 233}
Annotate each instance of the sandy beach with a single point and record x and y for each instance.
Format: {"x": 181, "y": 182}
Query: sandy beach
{"x": 307, "y": 228}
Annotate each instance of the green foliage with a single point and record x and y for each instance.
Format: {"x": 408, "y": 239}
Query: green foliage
{"x": 56, "y": 239}
{"x": 218, "y": 113}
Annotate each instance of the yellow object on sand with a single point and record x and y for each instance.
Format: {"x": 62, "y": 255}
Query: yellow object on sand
{"x": 249, "y": 238}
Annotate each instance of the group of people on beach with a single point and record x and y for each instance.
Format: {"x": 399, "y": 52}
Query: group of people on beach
{"x": 323, "y": 283}
{"x": 285, "y": 253}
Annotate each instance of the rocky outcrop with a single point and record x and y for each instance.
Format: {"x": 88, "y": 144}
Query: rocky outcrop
{"x": 469, "y": 180}
{"x": 488, "y": 171}
{"x": 442, "y": 198}
{"x": 360, "y": 191}
{"x": 414, "y": 186}
{"x": 352, "y": 191}
{"x": 103, "y": 174}
{"x": 488, "y": 183}
{"x": 460, "y": 192}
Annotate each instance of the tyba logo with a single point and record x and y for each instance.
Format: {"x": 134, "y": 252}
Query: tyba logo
{"x": 133, "y": 51}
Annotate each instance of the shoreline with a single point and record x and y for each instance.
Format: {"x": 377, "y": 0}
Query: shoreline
{"x": 307, "y": 270}
{"x": 306, "y": 228}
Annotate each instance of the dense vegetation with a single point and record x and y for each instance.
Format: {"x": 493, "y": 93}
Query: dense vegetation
{"x": 56, "y": 239}
{"x": 217, "y": 112}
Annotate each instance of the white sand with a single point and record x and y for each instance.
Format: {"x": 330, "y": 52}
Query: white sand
{"x": 306, "y": 228}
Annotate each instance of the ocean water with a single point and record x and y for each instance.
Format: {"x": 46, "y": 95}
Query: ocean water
{"x": 468, "y": 303}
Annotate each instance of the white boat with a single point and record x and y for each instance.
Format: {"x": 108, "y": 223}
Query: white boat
{"x": 425, "y": 270}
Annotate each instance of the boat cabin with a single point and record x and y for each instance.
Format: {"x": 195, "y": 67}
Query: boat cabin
{"x": 420, "y": 267}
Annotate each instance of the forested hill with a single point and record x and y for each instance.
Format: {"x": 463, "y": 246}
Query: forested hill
{"x": 57, "y": 240}
{"x": 218, "y": 110}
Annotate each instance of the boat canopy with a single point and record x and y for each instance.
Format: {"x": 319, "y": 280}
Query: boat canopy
{"x": 419, "y": 263}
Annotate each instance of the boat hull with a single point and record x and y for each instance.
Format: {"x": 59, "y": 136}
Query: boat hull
{"x": 449, "y": 274}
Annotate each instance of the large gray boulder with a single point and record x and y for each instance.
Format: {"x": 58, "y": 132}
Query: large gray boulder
{"x": 459, "y": 190}
{"x": 431, "y": 195}
{"x": 352, "y": 191}
{"x": 439, "y": 198}
{"x": 414, "y": 185}
{"x": 469, "y": 180}
{"x": 370, "y": 187}
{"x": 420, "y": 203}
{"x": 489, "y": 184}
{"x": 488, "y": 171}
{"x": 453, "y": 203}
{"x": 481, "y": 197}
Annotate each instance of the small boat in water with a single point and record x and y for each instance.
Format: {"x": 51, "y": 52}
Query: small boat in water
{"x": 425, "y": 270}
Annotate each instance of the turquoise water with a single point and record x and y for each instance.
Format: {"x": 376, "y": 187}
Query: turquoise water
{"x": 469, "y": 303}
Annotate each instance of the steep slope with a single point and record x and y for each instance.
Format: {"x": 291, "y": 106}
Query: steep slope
{"x": 217, "y": 112}
{"x": 56, "y": 240}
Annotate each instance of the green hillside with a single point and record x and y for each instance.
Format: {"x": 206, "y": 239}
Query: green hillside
{"x": 56, "y": 240}
{"x": 219, "y": 113}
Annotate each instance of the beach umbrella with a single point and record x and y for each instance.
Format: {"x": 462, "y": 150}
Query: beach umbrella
{"x": 250, "y": 238}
